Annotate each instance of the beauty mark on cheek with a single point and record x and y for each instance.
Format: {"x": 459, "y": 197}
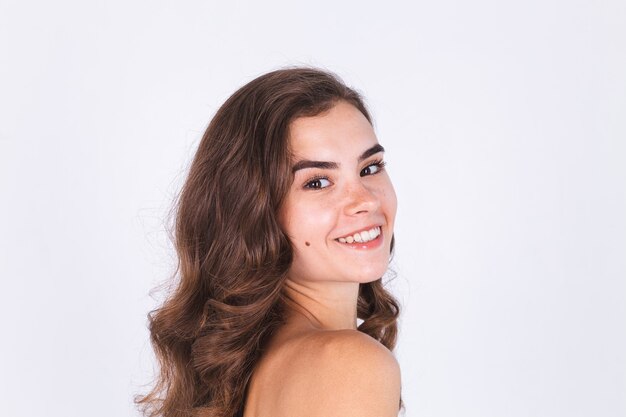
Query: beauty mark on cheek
{"x": 307, "y": 243}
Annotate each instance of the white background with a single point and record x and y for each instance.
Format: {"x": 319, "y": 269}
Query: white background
{"x": 505, "y": 129}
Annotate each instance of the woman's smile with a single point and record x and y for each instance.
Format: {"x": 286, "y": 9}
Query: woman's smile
{"x": 368, "y": 238}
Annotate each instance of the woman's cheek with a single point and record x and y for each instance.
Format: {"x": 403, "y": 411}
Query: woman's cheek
{"x": 315, "y": 219}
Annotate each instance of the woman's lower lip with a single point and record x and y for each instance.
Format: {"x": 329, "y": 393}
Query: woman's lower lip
{"x": 372, "y": 244}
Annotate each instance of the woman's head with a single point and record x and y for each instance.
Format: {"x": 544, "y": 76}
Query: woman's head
{"x": 242, "y": 171}
{"x": 238, "y": 231}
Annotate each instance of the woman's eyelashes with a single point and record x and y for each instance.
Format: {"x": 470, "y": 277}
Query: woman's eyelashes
{"x": 319, "y": 182}
{"x": 316, "y": 183}
{"x": 379, "y": 165}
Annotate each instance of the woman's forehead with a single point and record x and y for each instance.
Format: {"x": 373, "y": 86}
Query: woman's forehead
{"x": 342, "y": 130}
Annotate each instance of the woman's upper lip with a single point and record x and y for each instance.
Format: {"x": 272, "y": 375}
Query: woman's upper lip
{"x": 361, "y": 230}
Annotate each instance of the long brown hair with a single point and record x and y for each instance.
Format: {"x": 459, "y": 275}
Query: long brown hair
{"x": 233, "y": 256}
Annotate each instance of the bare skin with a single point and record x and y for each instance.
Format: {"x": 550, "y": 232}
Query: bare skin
{"x": 301, "y": 355}
{"x": 318, "y": 364}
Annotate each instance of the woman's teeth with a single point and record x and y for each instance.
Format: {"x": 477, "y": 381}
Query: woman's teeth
{"x": 361, "y": 237}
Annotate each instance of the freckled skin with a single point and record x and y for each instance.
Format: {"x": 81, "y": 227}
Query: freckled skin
{"x": 349, "y": 200}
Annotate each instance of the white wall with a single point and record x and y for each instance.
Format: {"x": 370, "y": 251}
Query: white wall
{"x": 505, "y": 125}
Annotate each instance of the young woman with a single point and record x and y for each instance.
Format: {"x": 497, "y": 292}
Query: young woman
{"x": 284, "y": 229}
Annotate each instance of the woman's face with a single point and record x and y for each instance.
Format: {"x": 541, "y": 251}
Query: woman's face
{"x": 340, "y": 189}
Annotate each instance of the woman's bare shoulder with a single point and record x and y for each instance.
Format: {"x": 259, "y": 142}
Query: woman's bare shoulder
{"x": 337, "y": 347}
{"x": 344, "y": 373}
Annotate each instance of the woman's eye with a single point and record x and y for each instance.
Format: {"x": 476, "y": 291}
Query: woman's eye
{"x": 372, "y": 169}
{"x": 317, "y": 183}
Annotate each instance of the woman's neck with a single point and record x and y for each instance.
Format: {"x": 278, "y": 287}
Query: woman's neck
{"x": 323, "y": 305}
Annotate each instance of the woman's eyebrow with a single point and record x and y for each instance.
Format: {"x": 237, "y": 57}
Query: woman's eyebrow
{"x": 371, "y": 151}
{"x": 305, "y": 163}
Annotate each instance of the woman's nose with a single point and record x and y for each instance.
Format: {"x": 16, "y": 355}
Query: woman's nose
{"x": 360, "y": 198}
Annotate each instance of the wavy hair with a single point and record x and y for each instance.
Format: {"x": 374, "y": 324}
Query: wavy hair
{"x": 233, "y": 257}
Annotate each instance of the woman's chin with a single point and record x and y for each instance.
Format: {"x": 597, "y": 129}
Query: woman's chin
{"x": 370, "y": 274}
